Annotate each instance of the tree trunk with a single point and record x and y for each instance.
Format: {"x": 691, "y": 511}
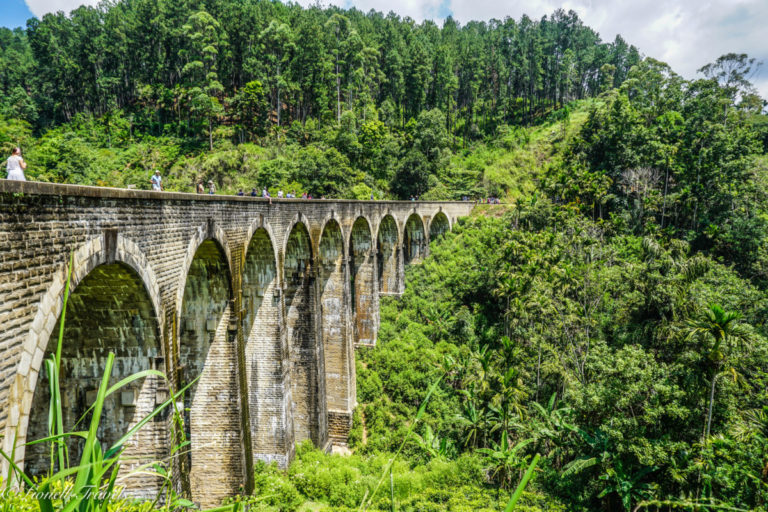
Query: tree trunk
{"x": 711, "y": 405}
{"x": 538, "y": 373}
{"x": 666, "y": 184}
{"x": 338, "y": 95}
{"x": 278, "y": 95}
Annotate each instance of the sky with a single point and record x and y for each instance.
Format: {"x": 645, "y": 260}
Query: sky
{"x": 686, "y": 34}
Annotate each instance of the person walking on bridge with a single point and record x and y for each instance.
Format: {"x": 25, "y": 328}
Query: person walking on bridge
{"x": 157, "y": 181}
{"x": 15, "y": 166}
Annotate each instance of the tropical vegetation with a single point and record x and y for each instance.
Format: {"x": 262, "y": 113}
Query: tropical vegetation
{"x": 606, "y": 322}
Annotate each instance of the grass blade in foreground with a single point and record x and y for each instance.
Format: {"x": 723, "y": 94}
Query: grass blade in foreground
{"x": 522, "y": 485}
{"x": 364, "y": 505}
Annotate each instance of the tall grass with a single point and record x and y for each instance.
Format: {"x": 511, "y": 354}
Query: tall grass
{"x": 523, "y": 484}
{"x": 90, "y": 485}
{"x": 388, "y": 467}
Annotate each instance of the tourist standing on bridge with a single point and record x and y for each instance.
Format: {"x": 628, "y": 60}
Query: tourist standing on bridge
{"x": 157, "y": 181}
{"x": 15, "y": 166}
{"x": 200, "y": 187}
{"x": 211, "y": 187}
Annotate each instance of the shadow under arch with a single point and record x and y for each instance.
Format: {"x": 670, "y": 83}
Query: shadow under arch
{"x": 363, "y": 286}
{"x": 439, "y": 225}
{"x": 414, "y": 240}
{"x": 387, "y": 244}
{"x": 268, "y": 381}
{"x": 109, "y": 310}
{"x": 305, "y": 349}
{"x": 207, "y": 349}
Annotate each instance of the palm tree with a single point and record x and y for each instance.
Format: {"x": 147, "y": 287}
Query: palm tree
{"x": 721, "y": 332}
{"x": 550, "y": 424}
{"x": 505, "y": 458}
{"x": 473, "y": 418}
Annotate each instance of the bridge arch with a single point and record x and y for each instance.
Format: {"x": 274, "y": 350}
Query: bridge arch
{"x": 414, "y": 240}
{"x": 206, "y": 349}
{"x": 306, "y": 351}
{"x": 439, "y": 225}
{"x": 203, "y": 232}
{"x": 114, "y": 306}
{"x": 263, "y": 348}
{"x": 256, "y": 225}
{"x": 388, "y": 253}
{"x": 337, "y": 349}
{"x": 363, "y": 285}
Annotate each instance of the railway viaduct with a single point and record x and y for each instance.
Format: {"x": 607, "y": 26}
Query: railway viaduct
{"x": 263, "y": 302}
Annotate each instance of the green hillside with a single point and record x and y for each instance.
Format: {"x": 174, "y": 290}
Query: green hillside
{"x": 609, "y": 316}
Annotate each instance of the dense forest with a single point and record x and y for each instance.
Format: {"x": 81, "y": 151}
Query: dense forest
{"x": 636, "y": 367}
{"x": 609, "y": 318}
{"x": 358, "y": 102}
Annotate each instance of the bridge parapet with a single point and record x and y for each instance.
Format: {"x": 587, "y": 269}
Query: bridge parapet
{"x": 225, "y": 284}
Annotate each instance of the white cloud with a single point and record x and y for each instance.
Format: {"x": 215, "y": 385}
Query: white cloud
{"x": 41, "y": 7}
{"x": 684, "y": 33}
{"x": 417, "y": 9}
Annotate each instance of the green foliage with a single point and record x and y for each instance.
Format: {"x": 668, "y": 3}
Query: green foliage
{"x": 328, "y": 482}
{"x": 664, "y": 154}
{"x": 589, "y": 348}
{"x": 393, "y": 97}
{"x": 612, "y": 322}
{"x": 272, "y": 492}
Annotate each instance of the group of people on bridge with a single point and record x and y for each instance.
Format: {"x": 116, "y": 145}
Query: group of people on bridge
{"x": 280, "y": 195}
{"x": 15, "y": 166}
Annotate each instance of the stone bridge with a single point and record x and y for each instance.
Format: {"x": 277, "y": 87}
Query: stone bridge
{"x": 263, "y": 302}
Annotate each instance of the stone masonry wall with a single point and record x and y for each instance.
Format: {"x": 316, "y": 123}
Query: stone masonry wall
{"x": 156, "y": 237}
{"x": 109, "y": 312}
{"x": 268, "y": 378}
{"x": 306, "y": 352}
{"x": 388, "y": 256}
{"x": 337, "y": 346}
{"x": 364, "y": 287}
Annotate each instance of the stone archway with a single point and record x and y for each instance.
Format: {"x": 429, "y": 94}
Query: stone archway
{"x": 207, "y": 351}
{"x": 113, "y": 281}
{"x": 438, "y": 226}
{"x": 109, "y": 311}
{"x": 306, "y": 350}
{"x": 414, "y": 240}
{"x": 363, "y": 285}
{"x": 337, "y": 349}
{"x": 388, "y": 248}
{"x": 268, "y": 380}
{"x": 91, "y": 254}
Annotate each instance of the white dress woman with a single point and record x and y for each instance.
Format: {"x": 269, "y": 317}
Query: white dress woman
{"x": 15, "y": 166}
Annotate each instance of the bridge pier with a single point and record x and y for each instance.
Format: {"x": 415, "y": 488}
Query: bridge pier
{"x": 263, "y": 303}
